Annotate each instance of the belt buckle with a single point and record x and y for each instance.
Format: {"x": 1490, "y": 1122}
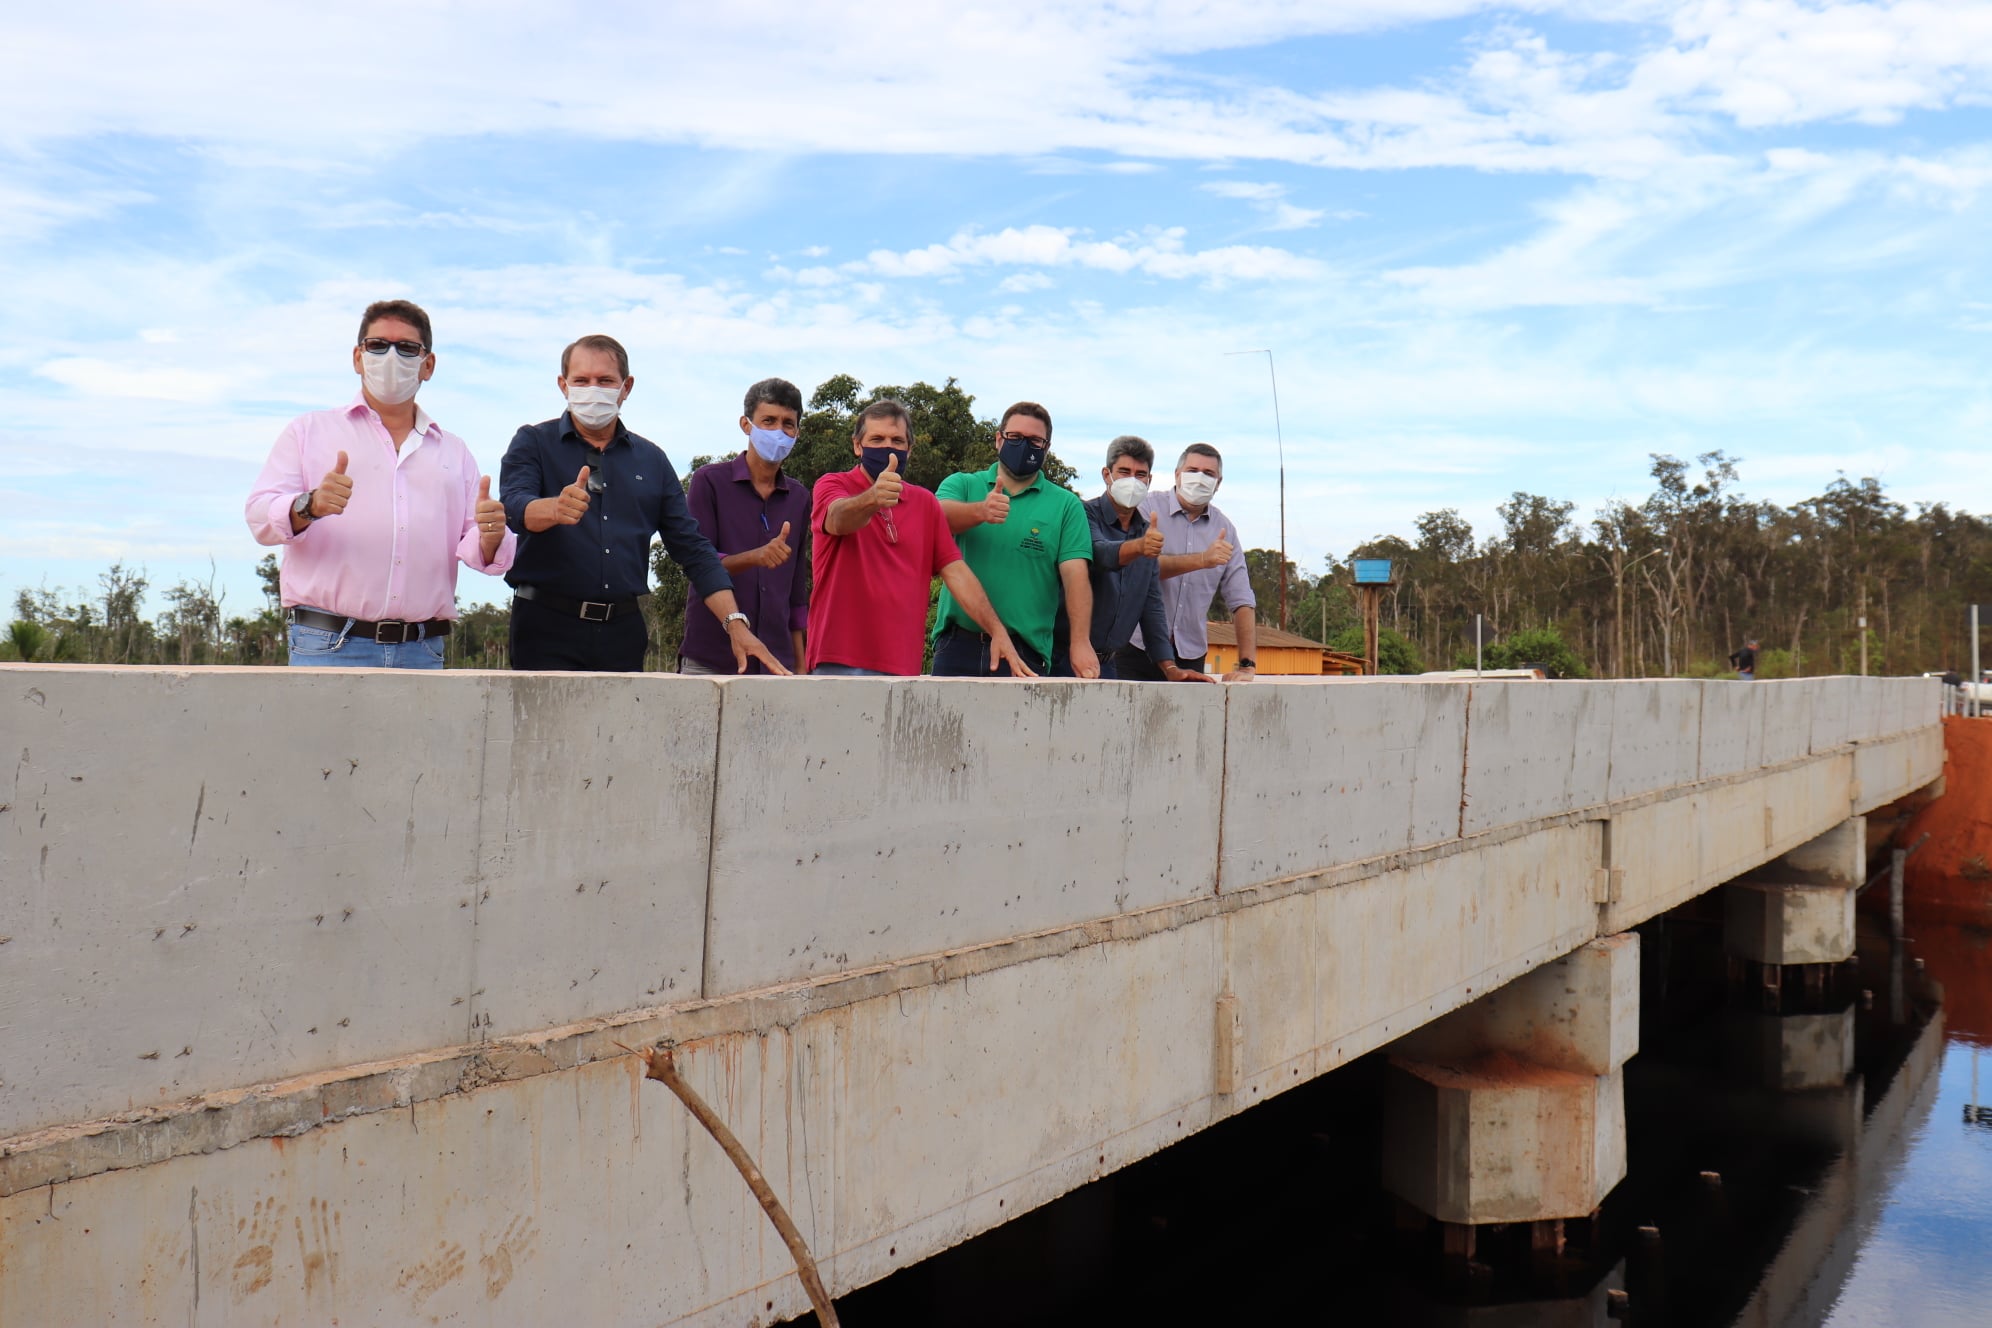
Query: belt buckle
{"x": 588, "y": 604}
{"x": 380, "y": 637}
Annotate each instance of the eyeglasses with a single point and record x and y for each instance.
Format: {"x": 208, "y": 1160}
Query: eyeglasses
{"x": 407, "y": 350}
{"x": 1037, "y": 444}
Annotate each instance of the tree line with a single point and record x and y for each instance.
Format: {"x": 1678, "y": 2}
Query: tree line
{"x": 1668, "y": 585}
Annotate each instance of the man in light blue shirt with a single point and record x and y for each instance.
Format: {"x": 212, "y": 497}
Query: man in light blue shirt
{"x": 1199, "y": 560}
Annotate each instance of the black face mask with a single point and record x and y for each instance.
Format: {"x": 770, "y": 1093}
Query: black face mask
{"x": 1021, "y": 458}
{"x": 875, "y": 460}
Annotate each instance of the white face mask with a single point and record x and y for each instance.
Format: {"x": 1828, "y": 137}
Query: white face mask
{"x": 1128, "y": 491}
{"x": 391, "y": 378}
{"x": 594, "y": 406}
{"x": 1196, "y": 487}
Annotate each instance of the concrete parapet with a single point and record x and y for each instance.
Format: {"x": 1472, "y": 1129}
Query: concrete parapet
{"x": 862, "y": 820}
{"x": 1497, "y": 1139}
{"x": 1535, "y": 751}
{"x": 1321, "y": 775}
{"x": 1771, "y": 923}
{"x": 1734, "y": 717}
{"x": 1656, "y": 736}
{"x": 1787, "y": 719}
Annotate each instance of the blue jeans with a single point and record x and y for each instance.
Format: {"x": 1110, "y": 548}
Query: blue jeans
{"x": 847, "y": 671}
{"x": 316, "y": 648}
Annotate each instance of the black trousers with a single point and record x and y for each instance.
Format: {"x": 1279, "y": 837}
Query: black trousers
{"x": 543, "y": 638}
{"x": 1132, "y": 665}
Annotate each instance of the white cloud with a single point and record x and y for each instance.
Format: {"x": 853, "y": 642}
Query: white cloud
{"x": 1021, "y": 282}
{"x": 1078, "y": 79}
{"x": 1156, "y": 252}
{"x": 94, "y": 377}
{"x": 1270, "y": 199}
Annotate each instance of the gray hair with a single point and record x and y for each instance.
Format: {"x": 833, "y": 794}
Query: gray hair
{"x": 1201, "y": 449}
{"x": 1128, "y": 445}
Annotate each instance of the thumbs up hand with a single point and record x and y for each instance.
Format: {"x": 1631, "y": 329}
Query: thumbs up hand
{"x": 885, "y": 489}
{"x": 490, "y": 512}
{"x": 1151, "y": 543}
{"x": 996, "y": 507}
{"x": 776, "y": 551}
{"x": 572, "y": 504}
{"x": 1219, "y": 553}
{"x": 334, "y": 491}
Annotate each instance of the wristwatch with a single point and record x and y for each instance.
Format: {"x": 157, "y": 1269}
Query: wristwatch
{"x": 302, "y": 506}
{"x": 736, "y": 616}
{"x": 1248, "y": 664}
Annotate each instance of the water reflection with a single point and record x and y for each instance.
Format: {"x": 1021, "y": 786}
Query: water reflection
{"x": 1821, "y": 1164}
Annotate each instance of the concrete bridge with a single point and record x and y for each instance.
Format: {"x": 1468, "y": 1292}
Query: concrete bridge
{"x": 314, "y": 986}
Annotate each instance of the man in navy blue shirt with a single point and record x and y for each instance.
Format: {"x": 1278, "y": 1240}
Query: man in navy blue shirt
{"x": 585, "y": 496}
{"x": 1126, "y": 573}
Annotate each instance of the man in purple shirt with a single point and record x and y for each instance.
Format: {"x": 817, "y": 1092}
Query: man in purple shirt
{"x": 758, "y": 519}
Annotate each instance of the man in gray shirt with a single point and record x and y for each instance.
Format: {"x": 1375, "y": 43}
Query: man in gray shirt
{"x": 1198, "y": 561}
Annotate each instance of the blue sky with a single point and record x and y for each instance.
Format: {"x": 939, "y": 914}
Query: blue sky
{"x": 1493, "y": 247}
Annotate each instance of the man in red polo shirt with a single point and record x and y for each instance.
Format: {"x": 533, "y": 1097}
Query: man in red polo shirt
{"x": 880, "y": 542}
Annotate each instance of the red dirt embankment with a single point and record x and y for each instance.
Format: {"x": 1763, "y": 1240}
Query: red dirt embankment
{"x": 1951, "y": 874}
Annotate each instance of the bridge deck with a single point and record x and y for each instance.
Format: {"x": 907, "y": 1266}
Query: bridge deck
{"x": 310, "y": 1004}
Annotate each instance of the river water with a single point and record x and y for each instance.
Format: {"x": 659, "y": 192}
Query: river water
{"x": 1861, "y": 1198}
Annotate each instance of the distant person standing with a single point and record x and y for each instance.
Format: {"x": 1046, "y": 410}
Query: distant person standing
{"x": 1745, "y": 661}
{"x": 1199, "y": 561}
{"x": 586, "y": 495}
{"x": 757, "y": 518}
{"x": 375, "y": 505}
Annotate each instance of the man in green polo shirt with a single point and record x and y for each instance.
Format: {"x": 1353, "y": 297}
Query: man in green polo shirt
{"x": 1024, "y": 539}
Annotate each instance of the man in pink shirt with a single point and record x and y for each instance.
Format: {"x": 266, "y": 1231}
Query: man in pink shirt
{"x": 880, "y": 542}
{"x": 375, "y": 505}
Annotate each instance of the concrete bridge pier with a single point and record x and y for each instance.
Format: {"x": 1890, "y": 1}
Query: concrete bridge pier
{"x": 1797, "y": 913}
{"x": 1511, "y": 1109}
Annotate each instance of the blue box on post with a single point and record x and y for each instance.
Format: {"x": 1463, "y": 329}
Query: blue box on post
{"x": 1372, "y": 571}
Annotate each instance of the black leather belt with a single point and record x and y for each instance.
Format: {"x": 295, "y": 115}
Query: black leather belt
{"x": 587, "y": 610}
{"x": 384, "y": 633}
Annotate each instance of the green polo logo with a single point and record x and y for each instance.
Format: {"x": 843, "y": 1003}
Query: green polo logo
{"x": 1032, "y": 542}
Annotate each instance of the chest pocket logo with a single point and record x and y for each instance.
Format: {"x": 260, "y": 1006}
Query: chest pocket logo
{"x": 1032, "y": 544}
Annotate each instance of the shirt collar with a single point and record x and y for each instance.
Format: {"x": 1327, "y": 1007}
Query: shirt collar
{"x": 743, "y": 473}
{"x": 995, "y": 473}
{"x": 423, "y": 423}
{"x": 567, "y": 430}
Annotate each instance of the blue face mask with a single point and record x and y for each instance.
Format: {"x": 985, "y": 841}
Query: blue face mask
{"x": 773, "y": 445}
{"x": 875, "y": 459}
{"x": 1021, "y": 459}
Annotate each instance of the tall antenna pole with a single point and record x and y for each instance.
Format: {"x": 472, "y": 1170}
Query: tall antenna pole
{"x": 1279, "y": 440}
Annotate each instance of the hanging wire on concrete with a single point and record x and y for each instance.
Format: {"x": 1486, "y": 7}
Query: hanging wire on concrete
{"x": 660, "y": 1065}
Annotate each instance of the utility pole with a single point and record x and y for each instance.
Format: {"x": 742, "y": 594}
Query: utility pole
{"x": 1279, "y": 441}
{"x": 1863, "y": 626}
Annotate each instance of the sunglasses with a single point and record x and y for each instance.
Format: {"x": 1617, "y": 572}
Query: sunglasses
{"x": 407, "y": 350}
{"x": 1037, "y": 444}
